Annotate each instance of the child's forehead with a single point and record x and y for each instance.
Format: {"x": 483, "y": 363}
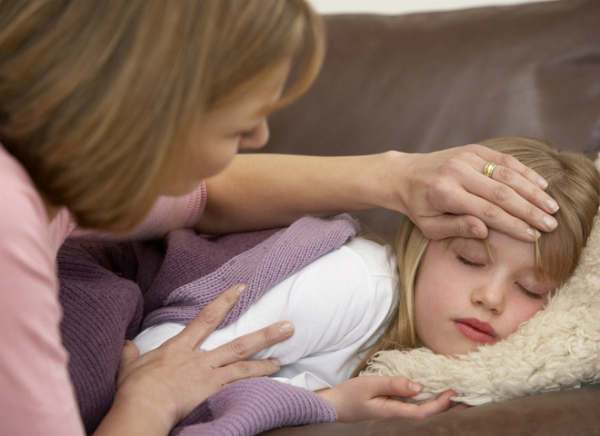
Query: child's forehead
{"x": 470, "y": 243}
{"x": 499, "y": 247}
{"x": 495, "y": 241}
{"x": 481, "y": 248}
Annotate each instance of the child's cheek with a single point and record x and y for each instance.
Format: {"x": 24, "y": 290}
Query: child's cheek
{"x": 523, "y": 312}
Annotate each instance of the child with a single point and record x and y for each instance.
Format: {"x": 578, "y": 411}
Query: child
{"x": 456, "y": 294}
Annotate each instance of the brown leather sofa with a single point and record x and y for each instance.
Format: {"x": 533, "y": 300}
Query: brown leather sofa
{"x": 423, "y": 82}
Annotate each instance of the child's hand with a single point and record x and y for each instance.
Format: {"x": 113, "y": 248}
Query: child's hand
{"x": 364, "y": 398}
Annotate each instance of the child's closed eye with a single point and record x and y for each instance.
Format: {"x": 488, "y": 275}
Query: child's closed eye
{"x": 529, "y": 293}
{"x": 469, "y": 262}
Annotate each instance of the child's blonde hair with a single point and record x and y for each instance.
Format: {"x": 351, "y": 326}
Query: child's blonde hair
{"x": 98, "y": 98}
{"x": 573, "y": 181}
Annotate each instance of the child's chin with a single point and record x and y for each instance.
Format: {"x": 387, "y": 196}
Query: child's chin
{"x": 457, "y": 351}
{"x": 454, "y": 349}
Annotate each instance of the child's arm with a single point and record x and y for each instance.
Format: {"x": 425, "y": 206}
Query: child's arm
{"x": 363, "y": 398}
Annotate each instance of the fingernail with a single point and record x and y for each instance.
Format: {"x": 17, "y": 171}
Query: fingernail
{"x": 534, "y": 233}
{"x": 414, "y": 386}
{"x": 475, "y": 232}
{"x": 275, "y": 362}
{"x": 550, "y": 222}
{"x": 286, "y": 327}
{"x": 542, "y": 183}
{"x": 240, "y": 289}
{"x": 552, "y": 205}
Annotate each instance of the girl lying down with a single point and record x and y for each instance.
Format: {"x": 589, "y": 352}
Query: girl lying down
{"x": 451, "y": 296}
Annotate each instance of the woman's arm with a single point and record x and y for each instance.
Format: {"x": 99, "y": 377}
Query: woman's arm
{"x": 36, "y": 395}
{"x": 444, "y": 193}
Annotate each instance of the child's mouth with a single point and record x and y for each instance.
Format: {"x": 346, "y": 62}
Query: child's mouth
{"x": 476, "y": 330}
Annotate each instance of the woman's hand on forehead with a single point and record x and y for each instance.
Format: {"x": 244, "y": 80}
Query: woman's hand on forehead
{"x": 445, "y": 193}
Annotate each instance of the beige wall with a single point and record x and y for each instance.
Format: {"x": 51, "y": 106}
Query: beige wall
{"x": 405, "y": 6}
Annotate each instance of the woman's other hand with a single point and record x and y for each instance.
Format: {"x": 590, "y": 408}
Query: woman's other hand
{"x": 363, "y": 398}
{"x": 445, "y": 194}
{"x": 174, "y": 378}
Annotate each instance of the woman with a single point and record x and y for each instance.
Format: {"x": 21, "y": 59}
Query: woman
{"x": 108, "y": 105}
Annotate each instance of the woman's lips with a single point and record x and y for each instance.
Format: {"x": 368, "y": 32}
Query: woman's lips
{"x": 476, "y": 330}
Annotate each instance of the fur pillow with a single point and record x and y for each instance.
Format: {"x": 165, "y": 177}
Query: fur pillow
{"x": 559, "y": 348}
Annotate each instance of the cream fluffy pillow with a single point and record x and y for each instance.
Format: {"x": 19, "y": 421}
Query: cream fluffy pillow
{"x": 559, "y": 348}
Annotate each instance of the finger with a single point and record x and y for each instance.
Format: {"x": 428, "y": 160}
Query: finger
{"x": 439, "y": 405}
{"x": 200, "y": 328}
{"x": 524, "y": 188}
{"x": 469, "y": 196}
{"x": 250, "y": 344}
{"x": 459, "y": 406}
{"x": 129, "y": 354}
{"x": 522, "y": 179}
{"x": 247, "y": 369}
{"x": 391, "y": 386}
{"x": 512, "y": 202}
{"x": 511, "y": 162}
{"x": 448, "y": 225}
{"x": 492, "y": 215}
{"x": 391, "y": 407}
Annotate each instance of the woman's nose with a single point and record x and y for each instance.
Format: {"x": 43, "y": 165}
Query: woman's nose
{"x": 255, "y": 139}
{"x": 490, "y": 296}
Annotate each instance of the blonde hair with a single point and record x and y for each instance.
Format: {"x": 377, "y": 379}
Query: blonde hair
{"x": 573, "y": 181}
{"x": 98, "y": 98}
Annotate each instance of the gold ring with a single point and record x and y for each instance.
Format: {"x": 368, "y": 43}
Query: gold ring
{"x": 489, "y": 169}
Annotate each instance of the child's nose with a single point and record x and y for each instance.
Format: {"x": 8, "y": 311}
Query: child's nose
{"x": 489, "y": 296}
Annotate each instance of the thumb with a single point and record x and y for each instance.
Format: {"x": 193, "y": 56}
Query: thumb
{"x": 393, "y": 386}
{"x": 129, "y": 353}
{"x": 448, "y": 225}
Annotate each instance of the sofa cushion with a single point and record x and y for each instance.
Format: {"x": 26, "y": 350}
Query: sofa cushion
{"x": 428, "y": 81}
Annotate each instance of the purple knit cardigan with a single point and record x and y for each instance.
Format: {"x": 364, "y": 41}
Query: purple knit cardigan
{"x": 108, "y": 289}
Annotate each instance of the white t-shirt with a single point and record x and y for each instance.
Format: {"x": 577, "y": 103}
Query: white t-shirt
{"x": 337, "y": 305}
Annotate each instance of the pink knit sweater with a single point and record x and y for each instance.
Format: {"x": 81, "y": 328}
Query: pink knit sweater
{"x": 36, "y": 396}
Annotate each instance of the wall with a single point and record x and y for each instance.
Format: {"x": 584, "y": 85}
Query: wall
{"x": 405, "y": 6}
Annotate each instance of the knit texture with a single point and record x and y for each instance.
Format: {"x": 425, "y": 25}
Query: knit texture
{"x": 252, "y": 406}
{"x": 260, "y": 268}
{"x": 108, "y": 288}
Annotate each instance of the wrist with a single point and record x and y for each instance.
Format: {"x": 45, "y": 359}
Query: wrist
{"x": 386, "y": 182}
{"x": 134, "y": 416}
{"x": 329, "y": 395}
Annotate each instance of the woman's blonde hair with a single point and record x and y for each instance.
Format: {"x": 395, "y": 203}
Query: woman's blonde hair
{"x": 573, "y": 181}
{"x": 98, "y": 98}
